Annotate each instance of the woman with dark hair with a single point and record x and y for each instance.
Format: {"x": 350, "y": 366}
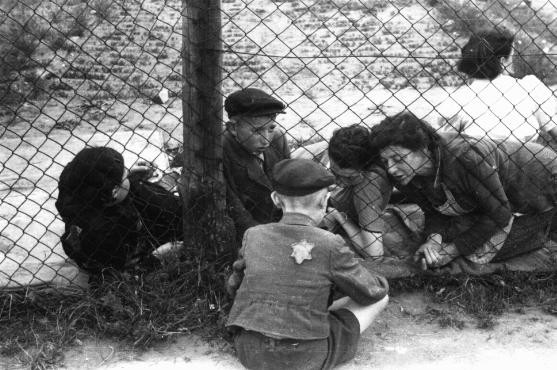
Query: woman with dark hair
{"x": 359, "y": 208}
{"x": 484, "y": 200}
{"x": 114, "y": 218}
{"x": 496, "y": 104}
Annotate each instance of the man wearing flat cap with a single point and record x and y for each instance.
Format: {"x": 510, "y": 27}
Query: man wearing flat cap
{"x": 282, "y": 315}
{"x": 252, "y": 145}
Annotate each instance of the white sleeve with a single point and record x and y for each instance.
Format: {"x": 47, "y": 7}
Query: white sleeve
{"x": 542, "y": 95}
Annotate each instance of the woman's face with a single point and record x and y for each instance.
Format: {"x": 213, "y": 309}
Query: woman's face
{"x": 121, "y": 191}
{"x": 404, "y": 164}
{"x": 345, "y": 176}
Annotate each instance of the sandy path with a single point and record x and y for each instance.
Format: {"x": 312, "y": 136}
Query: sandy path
{"x": 406, "y": 337}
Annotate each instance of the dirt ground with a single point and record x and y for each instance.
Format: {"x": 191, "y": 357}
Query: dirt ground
{"x": 407, "y": 336}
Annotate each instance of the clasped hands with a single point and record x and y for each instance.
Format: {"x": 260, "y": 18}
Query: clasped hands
{"x": 332, "y": 219}
{"x": 434, "y": 253}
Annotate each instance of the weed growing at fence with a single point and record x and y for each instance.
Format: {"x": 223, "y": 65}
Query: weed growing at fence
{"x": 37, "y": 326}
{"x": 486, "y": 297}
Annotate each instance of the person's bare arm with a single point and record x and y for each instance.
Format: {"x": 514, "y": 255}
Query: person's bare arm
{"x": 368, "y": 244}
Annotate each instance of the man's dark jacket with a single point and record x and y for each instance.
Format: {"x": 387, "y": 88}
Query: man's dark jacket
{"x": 249, "y": 183}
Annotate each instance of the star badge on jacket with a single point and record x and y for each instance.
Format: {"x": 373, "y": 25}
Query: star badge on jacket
{"x": 301, "y": 251}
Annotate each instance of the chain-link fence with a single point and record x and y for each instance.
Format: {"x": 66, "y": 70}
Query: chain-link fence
{"x": 109, "y": 73}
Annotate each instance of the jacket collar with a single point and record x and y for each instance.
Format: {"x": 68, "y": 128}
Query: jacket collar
{"x": 250, "y": 161}
{"x": 297, "y": 219}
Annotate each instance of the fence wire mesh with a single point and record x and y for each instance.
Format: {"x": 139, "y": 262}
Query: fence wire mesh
{"x": 109, "y": 73}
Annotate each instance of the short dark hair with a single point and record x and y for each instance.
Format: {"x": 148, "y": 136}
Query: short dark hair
{"x": 349, "y": 147}
{"x": 481, "y": 55}
{"x": 406, "y": 130}
{"x": 88, "y": 179}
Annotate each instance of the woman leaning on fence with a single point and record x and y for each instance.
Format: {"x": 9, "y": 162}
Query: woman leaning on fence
{"x": 114, "y": 218}
{"x": 494, "y": 103}
{"x": 483, "y": 200}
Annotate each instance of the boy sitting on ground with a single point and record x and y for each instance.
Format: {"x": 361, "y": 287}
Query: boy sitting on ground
{"x": 286, "y": 272}
{"x": 252, "y": 145}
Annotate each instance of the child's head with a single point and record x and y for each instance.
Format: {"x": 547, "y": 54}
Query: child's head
{"x": 95, "y": 177}
{"x": 350, "y": 154}
{"x": 252, "y": 118}
{"x": 301, "y": 186}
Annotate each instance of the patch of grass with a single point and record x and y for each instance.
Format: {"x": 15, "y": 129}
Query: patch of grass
{"x": 487, "y": 297}
{"x": 37, "y": 326}
{"x": 445, "y": 319}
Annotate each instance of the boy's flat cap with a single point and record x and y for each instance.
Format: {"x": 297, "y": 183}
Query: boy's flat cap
{"x": 252, "y": 102}
{"x": 297, "y": 177}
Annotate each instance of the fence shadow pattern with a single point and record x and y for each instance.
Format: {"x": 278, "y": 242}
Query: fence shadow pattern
{"x": 79, "y": 73}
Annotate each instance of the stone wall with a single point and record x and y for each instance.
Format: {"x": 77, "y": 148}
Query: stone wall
{"x": 279, "y": 44}
{"x": 130, "y": 49}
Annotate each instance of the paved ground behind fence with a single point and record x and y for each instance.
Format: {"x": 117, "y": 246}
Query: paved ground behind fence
{"x": 30, "y": 252}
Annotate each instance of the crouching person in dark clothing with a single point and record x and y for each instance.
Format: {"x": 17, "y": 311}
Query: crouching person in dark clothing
{"x": 285, "y": 273}
{"x": 114, "y": 218}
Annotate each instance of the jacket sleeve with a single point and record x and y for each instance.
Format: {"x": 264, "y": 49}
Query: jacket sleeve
{"x": 237, "y": 276}
{"x": 160, "y": 209}
{"x": 105, "y": 244}
{"x": 480, "y": 178}
{"x": 352, "y": 279}
{"x": 242, "y": 218}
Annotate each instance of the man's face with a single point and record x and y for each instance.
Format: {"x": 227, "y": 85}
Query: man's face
{"x": 402, "y": 163}
{"x": 254, "y": 133}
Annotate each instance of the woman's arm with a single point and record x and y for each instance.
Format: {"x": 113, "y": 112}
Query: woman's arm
{"x": 480, "y": 178}
{"x": 368, "y": 244}
{"x": 369, "y": 197}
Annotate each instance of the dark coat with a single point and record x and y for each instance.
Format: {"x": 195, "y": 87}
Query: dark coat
{"x": 493, "y": 179}
{"x": 248, "y": 184}
{"x": 127, "y": 232}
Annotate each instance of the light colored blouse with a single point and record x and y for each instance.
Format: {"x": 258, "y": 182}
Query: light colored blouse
{"x": 365, "y": 201}
{"x": 505, "y": 108}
